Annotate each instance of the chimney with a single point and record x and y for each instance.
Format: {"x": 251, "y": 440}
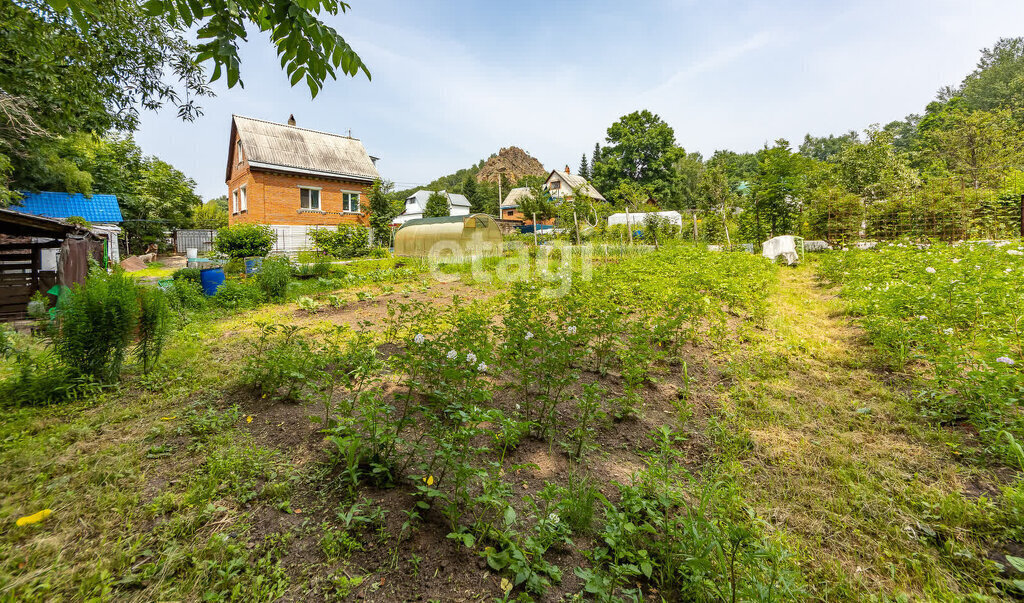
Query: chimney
{"x": 567, "y": 170}
{"x": 291, "y": 120}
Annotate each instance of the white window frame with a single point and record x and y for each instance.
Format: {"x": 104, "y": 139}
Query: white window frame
{"x": 319, "y": 200}
{"x": 238, "y": 151}
{"x": 234, "y": 201}
{"x": 344, "y": 201}
{"x": 243, "y": 200}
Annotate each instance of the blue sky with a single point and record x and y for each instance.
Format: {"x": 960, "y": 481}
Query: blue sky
{"x": 455, "y": 81}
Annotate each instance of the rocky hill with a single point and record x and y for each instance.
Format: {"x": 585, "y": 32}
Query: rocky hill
{"x": 517, "y": 163}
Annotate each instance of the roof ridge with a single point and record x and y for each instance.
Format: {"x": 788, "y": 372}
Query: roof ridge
{"x": 274, "y": 123}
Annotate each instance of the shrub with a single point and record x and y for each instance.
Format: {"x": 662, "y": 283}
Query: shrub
{"x": 154, "y": 325}
{"x": 186, "y": 294}
{"x": 245, "y": 240}
{"x": 273, "y": 277}
{"x": 40, "y": 378}
{"x": 187, "y": 274}
{"x": 237, "y": 294}
{"x": 96, "y": 324}
{"x": 348, "y": 241}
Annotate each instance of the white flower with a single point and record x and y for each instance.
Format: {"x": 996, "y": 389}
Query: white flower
{"x": 554, "y": 518}
{"x": 929, "y": 270}
{"x": 471, "y": 357}
{"x": 571, "y": 330}
{"x": 517, "y": 407}
{"x": 956, "y": 260}
{"x": 947, "y": 331}
{"x": 482, "y": 367}
{"x": 977, "y": 267}
{"x": 922, "y": 317}
{"x": 1014, "y": 252}
{"x": 529, "y": 336}
{"x": 452, "y": 355}
{"x": 419, "y": 339}
{"x": 1008, "y": 270}
{"x": 1005, "y": 360}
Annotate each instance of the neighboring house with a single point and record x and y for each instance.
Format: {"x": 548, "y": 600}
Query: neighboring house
{"x": 102, "y": 212}
{"x": 416, "y": 205}
{"x": 295, "y": 179}
{"x": 510, "y": 207}
{"x": 561, "y": 185}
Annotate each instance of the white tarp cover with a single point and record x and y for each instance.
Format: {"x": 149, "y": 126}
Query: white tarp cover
{"x": 637, "y": 220}
{"x": 784, "y": 246}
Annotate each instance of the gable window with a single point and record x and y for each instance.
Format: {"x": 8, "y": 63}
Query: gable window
{"x": 234, "y": 202}
{"x": 554, "y": 185}
{"x": 243, "y": 200}
{"x": 309, "y": 198}
{"x": 350, "y": 203}
{"x": 238, "y": 151}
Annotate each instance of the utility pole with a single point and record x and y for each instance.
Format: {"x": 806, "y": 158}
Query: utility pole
{"x": 1022, "y": 215}
{"x": 534, "y": 229}
{"x": 501, "y": 172}
{"x": 629, "y": 226}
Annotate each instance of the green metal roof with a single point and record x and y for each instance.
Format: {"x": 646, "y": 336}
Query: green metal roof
{"x": 442, "y": 220}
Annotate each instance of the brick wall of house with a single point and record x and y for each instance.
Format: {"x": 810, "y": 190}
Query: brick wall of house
{"x": 273, "y": 198}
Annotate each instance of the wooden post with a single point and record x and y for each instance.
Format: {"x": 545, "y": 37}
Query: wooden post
{"x": 695, "y": 226}
{"x": 576, "y": 223}
{"x": 534, "y": 214}
{"x": 725, "y": 224}
{"x": 1022, "y": 215}
{"x": 629, "y": 226}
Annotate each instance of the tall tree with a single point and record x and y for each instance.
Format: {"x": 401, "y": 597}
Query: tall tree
{"x": 211, "y": 215}
{"x": 998, "y": 80}
{"x": 641, "y": 148}
{"x": 382, "y": 210}
{"x": 472, "y": 194}
{"x": 873, "y": 169}
{"x": 584, "y": 167}
{"x": 594, "y": 158}
{"x": 776, "y": 192}
{"x": 437, "y": 205}
{"x": 824, "y": 148}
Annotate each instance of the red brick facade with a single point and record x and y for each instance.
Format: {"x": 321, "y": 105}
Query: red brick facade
{"x": 273, "y": 197}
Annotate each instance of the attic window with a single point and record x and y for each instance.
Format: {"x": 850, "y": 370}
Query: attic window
{"x": 309, "y": 198}
{"x": 554, "y": 185}
{"x": 238, "y": 151}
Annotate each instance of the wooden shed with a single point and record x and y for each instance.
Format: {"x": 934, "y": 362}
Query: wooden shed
{"x": 24, "y": 239}
{"x": 449, "y": 237}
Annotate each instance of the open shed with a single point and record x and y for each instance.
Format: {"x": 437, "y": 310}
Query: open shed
{"x": 24, "y": 239}
{"x": 449, "y": 236}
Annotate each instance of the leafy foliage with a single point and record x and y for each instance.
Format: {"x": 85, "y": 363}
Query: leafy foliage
{"x": 346, "y": 241}
{"x": 245, "y": 240}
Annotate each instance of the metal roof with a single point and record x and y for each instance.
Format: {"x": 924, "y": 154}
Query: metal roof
{"x": 512, "y": 199}
{"x": 287, "y": 148}
{"x": 17, "y": 223}
{"x": 97, "y": 208}
{"x": 576, "y": 181}
{"x": 421, "y": 196}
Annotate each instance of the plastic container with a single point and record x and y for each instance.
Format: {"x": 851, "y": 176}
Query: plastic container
{"x": 191, "y": 253}
{"x": 253, "y": 265}
{"x": 211, "y": 279}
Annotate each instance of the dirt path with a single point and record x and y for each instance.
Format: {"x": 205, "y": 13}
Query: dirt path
{"x": 839, "y": 461}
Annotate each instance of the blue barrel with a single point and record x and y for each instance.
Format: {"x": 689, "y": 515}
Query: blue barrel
{"x": 211, "y": 279}
{"x": 253, "y": 265}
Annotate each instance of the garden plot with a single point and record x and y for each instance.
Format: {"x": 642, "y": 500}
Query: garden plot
{"x": 677, "y": 426}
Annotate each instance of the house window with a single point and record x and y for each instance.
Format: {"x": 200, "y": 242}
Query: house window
{"x": 234, "y": 202}
{"x": 243, "y": 200}
{"x": 350, "y": 203}
{"x": 309, "y": 198}
{"x": 509, "y": 213}
{"x": 238, "y": 151}
{"x": 554, "y": 185}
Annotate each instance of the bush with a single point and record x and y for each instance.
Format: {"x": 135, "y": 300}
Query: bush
{"x": 188, "y": 274}
{"x": 273, "y": 277}
{"x": 186, "y": 294}
{"x": 238, "y": 294}
{"x": 40, "y": 379}
{"x": 96, "y": 324}
{"x": 348, "y": 241}
{"x": 245, "y": 240}
{"x": 154, "y": 325}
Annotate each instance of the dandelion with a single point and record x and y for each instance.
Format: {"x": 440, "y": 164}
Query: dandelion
{"x": 471, "y": 357}
{"x": 529, "y": 336}
{"x": 33, "y": 518}
{"x": 452, "y": 355}
{"x": 947, "y": 331}
{"x": 419, "y": 339}
{"x": 571, "y": 330}
{"x": 554, "y": 518}
{"x": 922, "y": 317}
{"x": 1006, "y": 360}
{"x": 482, "y": 367}
{"x": 429, "y": 480}
{"x": 929, "y": 270}
{"x": 248, "y": 419}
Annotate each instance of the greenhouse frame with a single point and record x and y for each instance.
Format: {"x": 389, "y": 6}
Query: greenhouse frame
{"x": 449, "y": 237}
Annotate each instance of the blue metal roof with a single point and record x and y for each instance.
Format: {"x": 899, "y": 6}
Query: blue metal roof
{"x": 97, "y": 209}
